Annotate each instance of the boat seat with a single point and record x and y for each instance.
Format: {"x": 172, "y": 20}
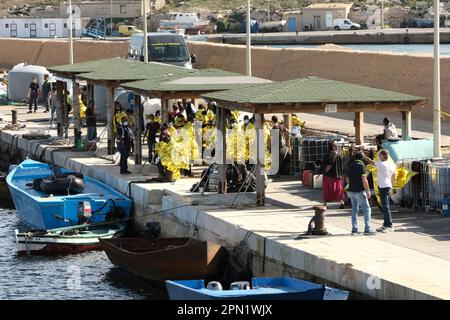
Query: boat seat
{"x": 214, "y": 286}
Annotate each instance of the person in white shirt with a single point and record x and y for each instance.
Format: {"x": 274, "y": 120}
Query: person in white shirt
{"x": 385, "y": 180}
{"x": 390, "y": 131}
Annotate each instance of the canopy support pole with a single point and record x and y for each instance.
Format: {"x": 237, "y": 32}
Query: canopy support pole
{"x": 406, "y": 129}
{"x": 76, "y": 104}
{"x": 110, "y": 118}
{"x": 138, "y": 122}
{"x": 164, "y": 110}
{"x": 359, "y": 128}
{"x": 287, "y": 124}
{"x": 221, "y": 151}
{"x": 260, "y": 160}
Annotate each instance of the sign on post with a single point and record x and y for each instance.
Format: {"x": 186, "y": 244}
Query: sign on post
{"x": 330, "y": 108}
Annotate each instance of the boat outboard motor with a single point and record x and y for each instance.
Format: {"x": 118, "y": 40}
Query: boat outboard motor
{"x": 115, "y": 213}
{"x": 153, "y": 230}
{"x": 84, "y": 212}
{"x": 240, "y": 285}
{"x": 214, "y": 286}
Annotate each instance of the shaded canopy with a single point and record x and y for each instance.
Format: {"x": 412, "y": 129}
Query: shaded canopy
{"x": 313, "y": 94}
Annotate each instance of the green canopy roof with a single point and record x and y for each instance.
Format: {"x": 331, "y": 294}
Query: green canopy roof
{"x": 310, "y": 90}
{"x": 89, "y": 66}
{"x": 203, "y": 80}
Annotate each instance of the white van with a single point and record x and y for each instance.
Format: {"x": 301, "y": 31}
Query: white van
{"x": 162, "y": 47}
{"x": 345, "y": 24}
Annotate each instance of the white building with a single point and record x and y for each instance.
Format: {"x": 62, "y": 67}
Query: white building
{"x": 38, "y": 28}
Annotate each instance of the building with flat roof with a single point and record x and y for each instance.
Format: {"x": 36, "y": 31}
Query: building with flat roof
{"x": 114, "y": 8}
{"x": 320, "y": 16}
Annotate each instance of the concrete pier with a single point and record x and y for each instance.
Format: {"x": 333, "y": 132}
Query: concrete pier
{"x": 411, "y": 263}
{"x": 370, "y": 36}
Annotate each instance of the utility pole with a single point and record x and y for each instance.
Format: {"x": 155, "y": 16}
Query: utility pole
{"x": 382, "y": 14}
{"x": 145, "y": 33}
{"x": 112, "y": 13}
{"x": 70, "y": 33}
{"x": 268, "y": 10}
{"x": 249, "y": 41}
{"x": 437, "y": 84}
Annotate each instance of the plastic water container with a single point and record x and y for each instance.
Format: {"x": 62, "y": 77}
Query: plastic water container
{"x": 317, "y": 181}
{"x": 446, "y": 206}
{"x": 307, "y": 178}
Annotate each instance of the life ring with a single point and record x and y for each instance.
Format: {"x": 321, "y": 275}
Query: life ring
{"x": 406, "y": 39}
{"x": 71, "y": 185}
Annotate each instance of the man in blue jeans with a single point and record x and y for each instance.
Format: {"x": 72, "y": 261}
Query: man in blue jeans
{"x": 385, "y": 180}
{"x": 359, "y": 193}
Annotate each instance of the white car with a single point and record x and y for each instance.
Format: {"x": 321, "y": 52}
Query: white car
{"x": 345, "y": 24}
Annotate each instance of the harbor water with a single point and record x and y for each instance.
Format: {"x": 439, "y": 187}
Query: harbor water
{"x": 83, "y": 276}
{"x": 396, "y": 48}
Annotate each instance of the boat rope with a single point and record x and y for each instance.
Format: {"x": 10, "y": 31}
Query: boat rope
{"x": 70, "y": 184}
{"x": 128, "y": 192}
{"x": 141, "y": 216}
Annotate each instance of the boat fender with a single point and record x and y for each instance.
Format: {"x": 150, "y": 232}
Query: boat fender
{"x": 406, "y": 39}
{"x": 71, "y": 184}
{"x": 68, "y": 174}
{"x": 37, "y": 184}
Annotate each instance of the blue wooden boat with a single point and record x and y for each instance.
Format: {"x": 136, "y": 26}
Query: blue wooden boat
{"x": 282, "y": 288}
{"x": 73, "y": 200}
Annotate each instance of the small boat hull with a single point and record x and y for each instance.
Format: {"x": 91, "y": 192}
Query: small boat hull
{"x": 283, "y": 288}
{"x": 162, "y": 259}
{"x": 56, "y": 241}
{"x": 40, "y": 211}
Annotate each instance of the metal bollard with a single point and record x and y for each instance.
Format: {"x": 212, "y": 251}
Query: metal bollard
{"x": 14, "y": 116}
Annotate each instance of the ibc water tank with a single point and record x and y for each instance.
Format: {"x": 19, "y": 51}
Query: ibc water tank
{"x": 20, "y": 77}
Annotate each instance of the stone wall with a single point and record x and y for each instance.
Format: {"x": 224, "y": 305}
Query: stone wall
{"x": 56, "y": 52}
{"x": 396, "y": 72}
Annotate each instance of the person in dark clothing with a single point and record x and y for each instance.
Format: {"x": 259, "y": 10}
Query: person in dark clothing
{"x": 190, "y": 111}
{"x": 33, "y": 95}
{"x": 123, "y": 140}
{"x": 282, "y": 147}
{"x": 151, "y": 130}
{"x": 359, "y": 193}
{"x": 46, "y": 90}
{"x": 91, "y": 123}
{"x": 333, "y": 189}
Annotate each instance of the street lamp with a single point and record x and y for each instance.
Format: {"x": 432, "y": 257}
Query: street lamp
{"x": 145, "y": 33}
{"x": 436, "y": 85}
{"x": 70, "y": 33}
{"x": 249, "y": 42}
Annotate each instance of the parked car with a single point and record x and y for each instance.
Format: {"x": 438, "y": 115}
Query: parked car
{"x": 127, "y": 31}
{"x": 345, "y": 24}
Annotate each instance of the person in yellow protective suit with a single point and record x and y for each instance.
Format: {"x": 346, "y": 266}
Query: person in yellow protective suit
{"x": 164, "y": 152}
{"x": 295, "y": 121}
{"x": 296, "y": 125}
{"x": 82, "y": 107}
